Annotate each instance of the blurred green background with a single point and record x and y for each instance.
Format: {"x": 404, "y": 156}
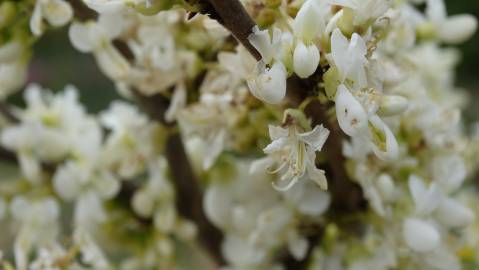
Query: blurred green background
{"x": 56, "y": 64}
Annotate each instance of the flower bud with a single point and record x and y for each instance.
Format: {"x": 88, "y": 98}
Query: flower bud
{"x": 385, "y": 145}
{"x": 269, "y": 84}
{"x": 307, "y": 23}
{"x": 457, "y": 29}
{"x": 453, "y": 214}
{"x": 143, "y": 204}
{"x": 392, "y": 105}
{"x": 420, "y": 236}
{"x": 386, "y": 187}
{"x": 305, "y": 59}
{"x": 352, "y": 117}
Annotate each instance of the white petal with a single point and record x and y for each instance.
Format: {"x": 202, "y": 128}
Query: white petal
{"x": 457, "y": 29}
{"x": 217, "y": 205}
{"x": 105, "y": 6}
{"x": 112, "y": 23}
{"x": 308, "y": 198}
{"x": 57, "y": 12}
{"x": 31, "y": 168}
{"x": 165, "y": 219}
{"x": 80, "y": 36}
{"x": 426, "y": 199}
{"x": 386, "y": 187}
{"x": 261, "y": 40}
{"x": 298, "y": 247}
{"x": 112, "y": 63}
{"x": 270, "y": 84}
{"x": 276, "y": 145}
{"x": 315, "y": 138}
{"x": 215, "y": 147}
{"x": 307, "y": 22}
{"x": 449, "y": 171}
{"x": 317, "y": 176}
{"x": 454, "y": 214}
{"x": 276, "y": 132}
{"x": 388, "y": 149}
{"x": 392, "y": 105}
{"x": 352, "y": 117}
{"x": 339, "y": 48}
{"x": 143, "y": 204}
{"x": 66, "y": 183}
{"x": 36, "y": 23}
{"x": 178, "y": 102}
{"x": 420, "y": 235}
{"x": 305, "y": 59}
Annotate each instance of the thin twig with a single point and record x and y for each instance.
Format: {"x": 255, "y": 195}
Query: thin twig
{"x": 232, "y": 15}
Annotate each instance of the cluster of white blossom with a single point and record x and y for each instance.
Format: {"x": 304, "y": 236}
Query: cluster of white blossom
{"x": 100, "y": 191}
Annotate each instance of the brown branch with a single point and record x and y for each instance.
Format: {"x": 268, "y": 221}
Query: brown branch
{"x": 189, "y": 195}
{"x": 82, "y": 11}
{"x": 232, "y": 15}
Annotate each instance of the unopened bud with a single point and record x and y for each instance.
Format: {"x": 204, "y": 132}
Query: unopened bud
{"x": 305, "y": 59}
{"x": 392, "y": 105}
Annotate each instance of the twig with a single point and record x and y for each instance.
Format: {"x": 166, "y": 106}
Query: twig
{"x": 189, "y": 195}
{"x": 232, "y": 15}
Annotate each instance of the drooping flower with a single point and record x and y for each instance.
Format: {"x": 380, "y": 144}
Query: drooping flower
{"x": 268, "y": 84}
{"x": 453, "y": 29}
{"x": 293, "y": 154}
{"x": 56, "y": 12}
{"x": 97, "y": 37}
{"x": 349, "y": 57}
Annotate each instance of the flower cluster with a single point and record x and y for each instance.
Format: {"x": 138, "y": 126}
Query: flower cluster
{"x": 327, "y": 136}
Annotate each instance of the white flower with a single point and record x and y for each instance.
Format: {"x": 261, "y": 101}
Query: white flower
{"x": 294, "y": 153}
{"x": 267, "y": 46}
{"x": 349, "y": 57}
{"x": 177, "y": 103}
{"x": 420, "y": 235}
{"x": 56, "y": 12}
{"x": 305, "y": 59}
{"x": 390, "y": 105}
{"x": 131, "y": 142}
{"x": 352, "y": 117}
{"x": 453, "y": 214}
{"x": 13, "y": 68}
{"x": 355, "y": 122}
{"x": 308, "y": 199}
{"x": 268, "y": 84}
{"x": 37, "y": 225}
{"x": 91, "y": 254}
{"x": 426, "y": 199}
{"x": 448, "y": 171}
{"x": 365, "y": 12}
{"x": 454, "y": 29}
{"x": 106, "y": 6}
{"x": 309, "y": 22}
{"x": 52, "y": 126}
{"x": 97, "y": 37}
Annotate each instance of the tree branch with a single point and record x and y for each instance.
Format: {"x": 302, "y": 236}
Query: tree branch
{"x": 189, "y": 195}
{"x": 232, "y": 15}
